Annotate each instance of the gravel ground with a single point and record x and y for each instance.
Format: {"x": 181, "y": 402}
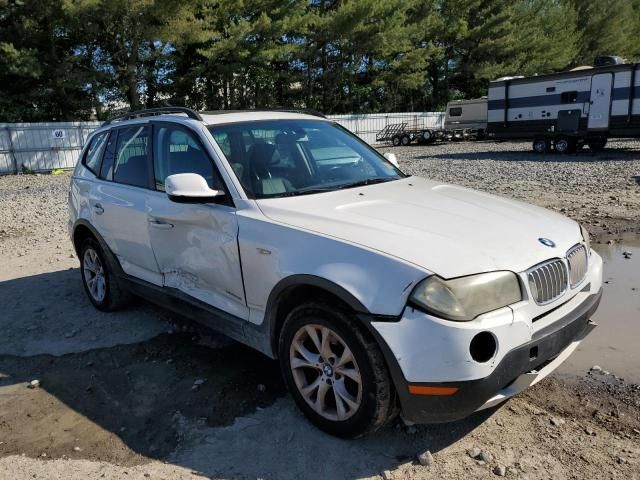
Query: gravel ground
{"x": 600, "y": 190}
{"x": 121, "y": 396}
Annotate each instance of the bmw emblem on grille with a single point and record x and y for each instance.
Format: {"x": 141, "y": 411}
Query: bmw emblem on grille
{"x": 546, "y": 242}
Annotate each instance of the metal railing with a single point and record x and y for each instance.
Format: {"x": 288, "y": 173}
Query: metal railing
{"x": 367, "y": 125}
{"x": 42, "y": 147}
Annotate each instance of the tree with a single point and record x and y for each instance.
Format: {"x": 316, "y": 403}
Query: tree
{"x": 606, "y": 27}
{"x": 129, "y": 41}
{"x": 41, "y": 78}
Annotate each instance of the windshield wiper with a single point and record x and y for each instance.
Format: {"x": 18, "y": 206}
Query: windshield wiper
{"x": 368, "y": 181}
{"x": 307, "y": 191}
{"x": 311, "y": 190}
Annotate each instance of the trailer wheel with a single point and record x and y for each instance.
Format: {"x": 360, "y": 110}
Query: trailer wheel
{"x": 395, "y": 140}
{"x": 541, "y": 145}
{"x": 427, "y": 136}
{"x": 405, "y": 140}
{"x": 597, "y": 144}
{"x": 564, "y": 145}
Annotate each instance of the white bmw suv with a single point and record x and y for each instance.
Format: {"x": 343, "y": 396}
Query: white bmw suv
{"x": 379, "y": 293}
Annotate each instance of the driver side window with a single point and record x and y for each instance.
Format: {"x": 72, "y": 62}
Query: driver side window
{"x": 177, "y": 151}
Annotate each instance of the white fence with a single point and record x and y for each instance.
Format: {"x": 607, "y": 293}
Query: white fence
{"x": 42, "y": 147}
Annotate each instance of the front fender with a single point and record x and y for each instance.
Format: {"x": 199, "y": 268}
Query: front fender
{"x": 372, "y": 281}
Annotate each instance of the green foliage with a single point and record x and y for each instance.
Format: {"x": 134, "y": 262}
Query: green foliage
{"x": 77, "y": 59}
{"x": 606, "y": 27}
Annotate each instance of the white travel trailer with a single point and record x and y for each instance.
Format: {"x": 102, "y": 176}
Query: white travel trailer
{"x": 567, "y": 110}
{"x": 466, "y": 118}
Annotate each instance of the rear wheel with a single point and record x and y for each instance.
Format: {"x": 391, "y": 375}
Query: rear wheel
{"x": 541, "y": 145}
{"x": 335, "y": 371}
{"x": 395, "y": 140}
{"x": 564, "y": 145}
{"x": 597, "y": 144}
{"x": 100, "y": 284}
{"x": 427, "y": 136}
{"x": 405, "y": 140}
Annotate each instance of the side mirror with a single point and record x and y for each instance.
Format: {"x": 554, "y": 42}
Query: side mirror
{"x": 190, "y": 188}
{"x": 392, "y": 158}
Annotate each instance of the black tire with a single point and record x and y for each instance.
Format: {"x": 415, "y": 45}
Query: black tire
{"x": 378, "y": 405}
{"x": 395, "y": 140}
{"x": 541, "y": 145}
{"x": 114, "y": 296}
{"x": 427, "y": 136}
{"x": 597, "y": 144}
{"x": 405, "y": 140}
{"x": 564, "y": 145}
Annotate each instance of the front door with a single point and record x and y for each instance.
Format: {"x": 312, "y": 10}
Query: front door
{"x": 600, "y": 107}
{"x": 196, "y": 245}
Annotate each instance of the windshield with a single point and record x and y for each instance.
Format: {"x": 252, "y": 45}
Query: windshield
{"x": 278, "y": 158}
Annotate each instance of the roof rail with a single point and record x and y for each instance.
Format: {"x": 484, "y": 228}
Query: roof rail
{"x": 315, "y": 113}
{"x": 149, "y": 112}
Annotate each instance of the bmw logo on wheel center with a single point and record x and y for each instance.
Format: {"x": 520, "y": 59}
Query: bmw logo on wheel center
{"x": 547, "y": 242}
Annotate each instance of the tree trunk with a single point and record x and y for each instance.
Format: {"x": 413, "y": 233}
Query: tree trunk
{"x": 150, "y": 76}
{"x": 132, "y": 76}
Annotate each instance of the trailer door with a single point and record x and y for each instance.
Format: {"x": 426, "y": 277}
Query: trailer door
{"x": 600, "y": 101}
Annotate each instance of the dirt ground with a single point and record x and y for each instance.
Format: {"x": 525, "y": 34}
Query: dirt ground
{"x": 143, "y": 393}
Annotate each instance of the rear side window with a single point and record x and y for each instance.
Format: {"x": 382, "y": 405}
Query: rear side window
{"x": 131, "y": 160}
{"x": 455, "y": 111}
{"x": 94, "y": 153}
{"x": 569, "y": 97}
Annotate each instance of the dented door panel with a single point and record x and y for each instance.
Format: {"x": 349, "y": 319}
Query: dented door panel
{"x": 196, "y": 249}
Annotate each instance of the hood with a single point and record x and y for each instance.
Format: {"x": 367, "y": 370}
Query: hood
{"x": 445, "y": 229}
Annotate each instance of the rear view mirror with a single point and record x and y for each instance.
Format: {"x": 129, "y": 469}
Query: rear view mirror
{"x": 392, "y": 158}
{"x": 190, "y": 188}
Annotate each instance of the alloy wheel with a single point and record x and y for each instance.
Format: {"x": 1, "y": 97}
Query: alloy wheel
{"x": 325, "y": 372}
{"x": 94, "y": 276}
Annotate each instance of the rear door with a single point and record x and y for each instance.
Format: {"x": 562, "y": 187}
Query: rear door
{"x": 119, "y": 201}
{"x": 600, "y": 107}
{"x": 195, "y": 244}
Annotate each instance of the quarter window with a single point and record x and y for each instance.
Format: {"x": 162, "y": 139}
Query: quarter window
{"x": 177, "y": 151}
{"x": 131, "y": 163}
{"x": 94, "y": 152}
{"x": 455, "y": 111}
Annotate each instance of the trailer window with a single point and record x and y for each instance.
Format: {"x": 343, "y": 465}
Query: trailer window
{"x": 455, "y": 111}
{"x": 569, "y": 97}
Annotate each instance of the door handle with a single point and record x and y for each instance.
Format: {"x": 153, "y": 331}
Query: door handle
{"x": 98, "y": 208}
{"x": 161, "y": 225}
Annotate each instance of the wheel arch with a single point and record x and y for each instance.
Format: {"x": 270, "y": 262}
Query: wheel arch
{"x": 294, "y": 290}
{"x": 82, "y": 230}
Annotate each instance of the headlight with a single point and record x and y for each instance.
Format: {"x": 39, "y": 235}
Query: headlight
{"x": 585, "y": 237}
{"x": 465, "y": 298}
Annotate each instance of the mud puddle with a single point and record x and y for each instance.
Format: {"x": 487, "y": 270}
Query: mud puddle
{"x": 614, "y": 344}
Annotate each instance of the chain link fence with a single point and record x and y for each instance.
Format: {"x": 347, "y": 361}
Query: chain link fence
{"x": 42, "y": 147}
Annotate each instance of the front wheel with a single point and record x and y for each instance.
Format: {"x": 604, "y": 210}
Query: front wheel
{"x": 335, "y": 371}
{"x": 541, "y": 145}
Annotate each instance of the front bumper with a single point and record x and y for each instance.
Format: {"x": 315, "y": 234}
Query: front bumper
{"x": 518, "y": 369}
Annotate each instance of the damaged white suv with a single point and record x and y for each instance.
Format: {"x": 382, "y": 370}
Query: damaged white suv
{"x": 379, "y": 292}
